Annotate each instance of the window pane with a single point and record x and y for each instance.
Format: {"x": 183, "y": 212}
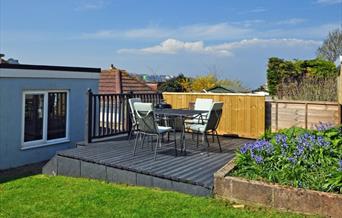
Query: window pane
{"x": 34, "y": 111}
{"x": 57, "y": 105}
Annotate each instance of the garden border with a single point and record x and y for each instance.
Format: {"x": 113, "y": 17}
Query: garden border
{"x": 273, "y": 195}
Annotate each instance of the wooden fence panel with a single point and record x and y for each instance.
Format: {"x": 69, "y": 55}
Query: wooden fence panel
{"x": 243, "y": 114}
{"x": 306, "y": 114}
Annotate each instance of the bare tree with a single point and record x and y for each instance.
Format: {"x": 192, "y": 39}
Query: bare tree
{"x": 332, "y": 46}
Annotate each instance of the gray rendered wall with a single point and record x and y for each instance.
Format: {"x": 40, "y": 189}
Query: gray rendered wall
{"x": 11, "y": 92}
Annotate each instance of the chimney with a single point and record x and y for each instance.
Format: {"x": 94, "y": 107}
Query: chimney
{"x": 112, "y": 67}
{"x": 118, "y": 81}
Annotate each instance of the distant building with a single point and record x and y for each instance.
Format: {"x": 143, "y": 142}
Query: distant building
{"x": 262, "y": 90}
{"x": 9, "y": 61}
{"x": 120, "y": 81}
{"x": 12, "y": 61}
{"x": 227, "y": 89}
{"x": 154, "y": 78}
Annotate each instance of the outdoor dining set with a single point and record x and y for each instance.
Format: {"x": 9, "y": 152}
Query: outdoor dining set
{"x": 149, "y": 121}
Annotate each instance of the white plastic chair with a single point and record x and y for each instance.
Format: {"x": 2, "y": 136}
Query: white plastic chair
{"x": 131, "y": 102}
{"x": 202, "y": 104}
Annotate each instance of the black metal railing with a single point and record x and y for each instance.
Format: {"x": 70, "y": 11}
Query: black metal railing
{"x": 108, "y": 114}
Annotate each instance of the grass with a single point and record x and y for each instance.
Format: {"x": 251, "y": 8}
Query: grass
{"x": 46, "y": 196}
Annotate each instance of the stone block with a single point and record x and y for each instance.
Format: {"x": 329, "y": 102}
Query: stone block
{"x": 68, "y": 167}
{"x": 93, "y": 171}
{"x": 332, "y": 205}
{"x": 50, "y": 168}
{"x": 144, "y": 180}
{"x": 162, "y": 183}
{"x": 249, "y": 191}
{"x": 297, "y": 200}
{"x": 121, "y": 176}
{"x": 190, "y": 189}
{"x": 222, "y": 187}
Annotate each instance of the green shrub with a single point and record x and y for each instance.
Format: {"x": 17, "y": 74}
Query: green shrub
{"x": 280, "y": 70}
{"x": 297, "y": 157}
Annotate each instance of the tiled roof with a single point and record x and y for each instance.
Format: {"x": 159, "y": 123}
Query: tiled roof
{"x": 119, "y": 81}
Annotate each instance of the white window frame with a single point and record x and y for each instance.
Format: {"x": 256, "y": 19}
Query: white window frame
{"x": 44, "y": 141}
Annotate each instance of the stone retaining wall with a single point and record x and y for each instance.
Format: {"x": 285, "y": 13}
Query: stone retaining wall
{"x": 276, "y": 196}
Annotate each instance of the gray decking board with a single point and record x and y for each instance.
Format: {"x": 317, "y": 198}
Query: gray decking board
{"x": 196, "y": 168}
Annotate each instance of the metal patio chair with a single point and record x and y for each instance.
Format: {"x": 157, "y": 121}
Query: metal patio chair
{"x": 148, "y": 126}
{"x": 210, "y": 125}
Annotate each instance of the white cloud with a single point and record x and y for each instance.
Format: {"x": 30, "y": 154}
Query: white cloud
{"x": 190, "y": 32}
{"x": 329, "y": 2}
{"x": 169, "y": 46}
{"x": 249, "y": 23}
{"x": 253, "y": 10}
{"x": 219, "y": 31}
{"x": 258, "y": 10}
{"x": 174, "y": 46}
{"x": 292, "y": 21}
{"x": 90, "y": 5}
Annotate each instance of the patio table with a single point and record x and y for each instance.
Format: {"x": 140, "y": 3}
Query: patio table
{"x": 183, "y": 114}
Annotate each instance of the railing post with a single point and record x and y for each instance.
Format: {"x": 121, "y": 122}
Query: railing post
{"x": 160, "y": 96}
{"x": 88, "y": 120}
{"x": 128, "y": 118}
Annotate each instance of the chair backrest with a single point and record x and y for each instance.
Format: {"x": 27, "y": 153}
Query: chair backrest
{"x": 131, "y": 102}
{"x": 214, "y": 116}
{"x": 203, "y": 104}
{"x": 145, "y": 117}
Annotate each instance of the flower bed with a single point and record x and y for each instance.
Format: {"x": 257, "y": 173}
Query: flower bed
{"x": 281, "y": 197}
{"x": 309, "y": 159}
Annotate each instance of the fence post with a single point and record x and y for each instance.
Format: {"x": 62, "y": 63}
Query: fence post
{"x": 276, "y": 118}
{"x": 128, "y": 118}
{"x": 306, "y": 115}
{"x": 88, "y": 120}
{"x": 339, "y": 90}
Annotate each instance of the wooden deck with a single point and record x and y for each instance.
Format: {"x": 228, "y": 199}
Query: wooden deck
{"x": 114, "y": 161}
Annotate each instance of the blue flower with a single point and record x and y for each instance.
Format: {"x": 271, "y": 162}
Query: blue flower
{"x": 244, "y": 148}
{"x": 281, "y": 139}
{"x": 323, "y": 126}
{"x": 292, "y": 160}
{"x": 299, "y": 151}
{"x": 340, "y": 163}
{"x": 321, "y": 142}
{"x": 258, "y": 159}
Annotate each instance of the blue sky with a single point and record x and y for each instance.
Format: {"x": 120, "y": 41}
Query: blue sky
{"x": 233, "y": 39}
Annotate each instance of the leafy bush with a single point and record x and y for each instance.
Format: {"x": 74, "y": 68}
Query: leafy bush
{"x": 177, "y": 84}
{"x": 198, "y": 84}
{"x": 297, "y": 157}
{"x": 309, "y": 88}
{"x": 280, "y": 70}
{"x": 210, "y": 80}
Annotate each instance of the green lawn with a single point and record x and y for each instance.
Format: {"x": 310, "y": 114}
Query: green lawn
{"x": 45, "y": 196}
